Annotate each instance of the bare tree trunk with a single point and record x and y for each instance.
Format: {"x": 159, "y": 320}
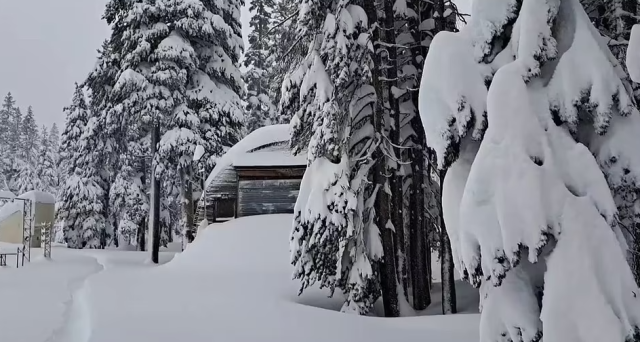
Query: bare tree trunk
{"x": 186, "y": 206}
{"x": 142, "y": 228}
{"x": 395, "y": 180}
{"x": 154, "y": 214}
{"x": 388, "y": 280}
{"x": 449, "y": 305}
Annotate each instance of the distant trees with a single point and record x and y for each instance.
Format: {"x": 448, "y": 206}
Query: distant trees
{"x": 20, "y": 146}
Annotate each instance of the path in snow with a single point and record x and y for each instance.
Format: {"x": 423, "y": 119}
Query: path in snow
{"x": 77, "y": 322}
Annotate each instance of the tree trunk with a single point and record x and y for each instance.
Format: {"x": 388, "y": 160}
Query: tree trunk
{"x": 395, "y": 180}
{"x": 186, "y": 199}
{"x": 449, "y": 305}
{"x": 154, "y": 214}
{"x": 142, "y": 228}
{"x": 421, "y": 295}
{"x": 388, "y": 280}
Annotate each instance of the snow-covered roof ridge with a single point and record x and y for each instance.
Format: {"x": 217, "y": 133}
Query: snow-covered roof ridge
{"x": 10, "y": 209}
{"x": 7, "y": 194}
{"x": 261, "y": 138}
{"x": 39, "y": 197}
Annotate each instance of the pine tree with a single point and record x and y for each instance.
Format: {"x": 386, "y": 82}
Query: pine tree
{"x": 287, "y": 49}
{"x": 260, "y": 109}
{"x": 6, "y": 115}
{"x": 54, "y": 143}
{"x": 27, "y": 177}
{"x": 15, "y": 134}
{"x": 336, "y": 240}
{"x": 46, "y": 169}
{"x": 512, "y": 118}
{"x": 80, "y": 208}
{"x": 212, "y": 114}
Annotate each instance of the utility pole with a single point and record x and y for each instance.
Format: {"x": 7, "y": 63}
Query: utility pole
{"x": 154, "y": 214}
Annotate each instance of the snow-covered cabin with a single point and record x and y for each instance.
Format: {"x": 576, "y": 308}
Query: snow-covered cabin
{"x": 257, "y": 176}
{"x": 12, "y": 217}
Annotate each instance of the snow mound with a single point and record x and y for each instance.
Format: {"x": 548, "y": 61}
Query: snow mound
{"x": 39, "y": 197}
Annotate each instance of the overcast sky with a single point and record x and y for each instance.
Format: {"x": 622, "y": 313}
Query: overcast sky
{"x": 47, "y": 45}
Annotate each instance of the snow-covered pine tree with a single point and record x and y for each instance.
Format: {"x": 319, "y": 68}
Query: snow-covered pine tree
{"x": 80, "y": 207}
{"x": 287, "y": 50}
{"x": 523, "y": 191}
{"x": 335, "y": 240}
{"x": 27, "y": 177}
{"x": 212, "y": 115}
{"x": 6, "y": 114}
{"x": 54, "y": 143}
{"x": 46, "y": 169}
{"x": 15, "y": 134}
{"x": 614, "y": 20}
{"x": 260, "y": 109}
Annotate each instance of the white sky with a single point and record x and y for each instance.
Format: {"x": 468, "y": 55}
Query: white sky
{"x": 47, "y": 45}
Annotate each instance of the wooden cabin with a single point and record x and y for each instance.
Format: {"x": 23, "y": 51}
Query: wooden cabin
{"x": 258, "y": 176}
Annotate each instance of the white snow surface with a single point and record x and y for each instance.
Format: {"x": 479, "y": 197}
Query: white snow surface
{"x": 260, "y": 137}
{"x": 270, "y": 158}
{"x": 10, "y": 208}
{"x": 633, "y": 54}
{"x": 7, "y": 194}
{"x": 39, "y": 197}
{"x": 232, "y": 284}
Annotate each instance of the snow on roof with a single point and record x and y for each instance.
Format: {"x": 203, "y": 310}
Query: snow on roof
{"x": 7, "y": 194}
{"x": 10, "y": 209}
{"x": 39, "y": 197}
{"x": 261, "y": 137}
{"x": 270, "y": 158}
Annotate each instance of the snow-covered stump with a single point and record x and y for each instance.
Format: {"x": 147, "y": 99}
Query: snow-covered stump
{"x": 534, "y": 194}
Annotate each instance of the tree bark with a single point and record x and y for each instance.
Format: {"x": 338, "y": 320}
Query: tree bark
{"x": 449, "y": 305}
{"x": 186, "y": 205}
{"x": 395, "y": 180}
{"x": 388, "y": 280}
{"x": 154, "y": 214}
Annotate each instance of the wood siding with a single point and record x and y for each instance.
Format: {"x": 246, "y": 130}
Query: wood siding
{"x": 267, "y": 196}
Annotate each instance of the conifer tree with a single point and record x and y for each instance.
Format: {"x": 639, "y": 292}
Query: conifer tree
{"x": 46, "y": 169}
{"x": 508, "y": 113}
{"x": 80, "y": 207}
{"x": 260, "y": 109}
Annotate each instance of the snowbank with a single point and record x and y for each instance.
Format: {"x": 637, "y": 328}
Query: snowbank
{"x": 39, "y": 197}
{"x": 233, "y": 283}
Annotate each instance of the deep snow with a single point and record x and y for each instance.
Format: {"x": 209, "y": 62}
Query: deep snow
{"x": 232, "y": 284}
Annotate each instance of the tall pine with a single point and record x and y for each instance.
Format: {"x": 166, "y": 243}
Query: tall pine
{"x": 260, "y": 108}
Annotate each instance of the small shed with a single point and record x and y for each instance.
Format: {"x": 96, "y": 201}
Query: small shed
{"x": 12, "y": 218}
{"x": 257, "y": 176}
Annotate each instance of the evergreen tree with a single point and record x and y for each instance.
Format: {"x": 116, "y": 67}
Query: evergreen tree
{"x": 336, "y": 240}
{"x": 260, "y": 109}
{"x": 54, "y": 143}
{"x": 211, "y": 115}
{"x": 26, "y": 177}
{"x": 512, "y": 118}
{"x": 15, "y": 134}
{"x": 28, "y": 143}
{"x": 6, "y": 115}
{"x": 46, "y": 169}
{"x": 287, "y": 49}
{"x": 80, "y": 208}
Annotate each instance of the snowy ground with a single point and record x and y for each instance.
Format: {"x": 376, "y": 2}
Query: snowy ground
{"x": 232, "y": 284}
